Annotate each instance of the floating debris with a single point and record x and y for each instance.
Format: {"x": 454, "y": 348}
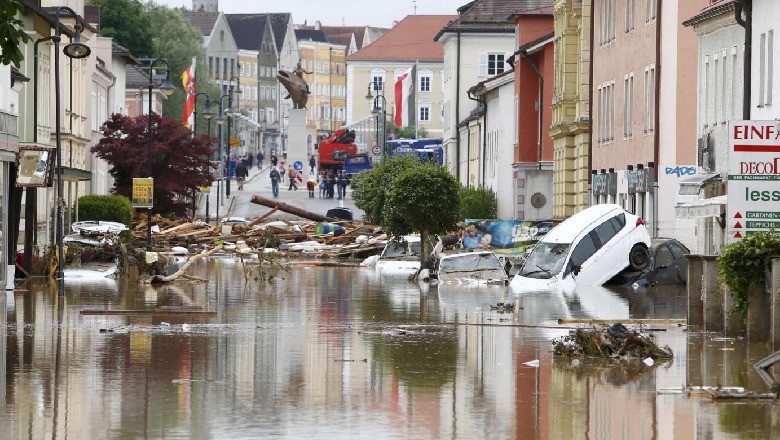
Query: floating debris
{"x": 613, "y": 342}
{"x": 503, "y": 307}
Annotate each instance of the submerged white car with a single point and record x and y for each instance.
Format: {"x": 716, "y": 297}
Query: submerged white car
{"x": 480, "y": 267}
{"x": 588, "y": 248}
{"x": 400, "y": 257}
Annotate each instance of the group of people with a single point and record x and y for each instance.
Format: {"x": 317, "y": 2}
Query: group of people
{"x": 330, "y": 182}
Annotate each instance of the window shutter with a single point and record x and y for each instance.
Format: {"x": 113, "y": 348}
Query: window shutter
{"x": 483, "y": 61}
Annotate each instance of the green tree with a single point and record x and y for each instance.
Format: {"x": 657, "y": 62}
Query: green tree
{"x": 128, "y": 24}
{"x": 404, "y": 195}
{"x": 423, "y": 198}
{"x": 371, "y": 188}
{"x": 478, "y": 203}
{"x": 12, "y": 34}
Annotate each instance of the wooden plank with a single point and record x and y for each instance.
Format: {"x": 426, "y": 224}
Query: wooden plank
{"x": 147, "y": 312}
{"x": 262, "y": 218}
{"x": 648, "y": 321}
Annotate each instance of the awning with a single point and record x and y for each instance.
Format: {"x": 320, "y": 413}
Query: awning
{"x": 692, "y": 185}
{"x": 712, "y": 207}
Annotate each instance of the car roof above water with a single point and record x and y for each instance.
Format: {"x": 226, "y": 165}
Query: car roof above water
{"x": 568, "y": 230}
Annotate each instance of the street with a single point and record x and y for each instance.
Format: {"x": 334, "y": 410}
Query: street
{"x": 258, "y": 182}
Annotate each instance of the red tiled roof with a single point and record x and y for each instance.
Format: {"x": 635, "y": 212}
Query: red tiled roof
{"x": 409, "y": 40}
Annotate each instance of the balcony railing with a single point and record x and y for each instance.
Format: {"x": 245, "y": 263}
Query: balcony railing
{"x": 9, "y": 124}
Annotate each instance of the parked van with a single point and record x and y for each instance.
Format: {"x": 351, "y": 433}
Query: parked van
{"x": 588, "y": 248}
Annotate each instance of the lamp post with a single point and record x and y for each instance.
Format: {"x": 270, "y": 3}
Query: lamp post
{"x": 74, "y": 50}
{"x": 230, "y": 108}
{"x": 207, "y": 116}
{"x": 167, "y": 89}
{"x": 378, "y": 110}
{"x": 222, "y": 165}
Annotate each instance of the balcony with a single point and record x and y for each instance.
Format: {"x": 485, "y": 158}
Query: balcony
{"x": 9, "y": 124}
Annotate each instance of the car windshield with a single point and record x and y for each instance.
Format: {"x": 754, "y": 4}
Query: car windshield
{"x": 469, "y": 262}
{"x": 546, "y": 260}
{"x": 402, "y": 249}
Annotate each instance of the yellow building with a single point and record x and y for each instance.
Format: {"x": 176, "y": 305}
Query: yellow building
{"x": 571, "y": 108}
{"x": 325, "y": 73}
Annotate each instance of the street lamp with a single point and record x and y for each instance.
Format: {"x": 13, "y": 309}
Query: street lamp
{"x": 75, "y": 50}
{"x": 222, "y": 165}
{"x": 378, "y": 110}
{"x": 230, "y": 107}
{"x": 207, "y": 114}
{"x": 167, "y": 89}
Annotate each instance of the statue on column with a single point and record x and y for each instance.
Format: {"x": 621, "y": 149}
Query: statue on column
{"x": 297, "y": 88}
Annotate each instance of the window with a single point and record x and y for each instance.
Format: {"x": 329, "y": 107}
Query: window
{"x": 628, "y": 104}
{"x": 649, "y": 109}
{"x": 425, "y": 83}
{"x": 663, "y": 257}
{"x": 650, "y": 7}
{"x": 211, "y": 67}
{"x": 630, "y": 15}
{"x": 491, "y": 63}
{"x": 378, "y": 82}
{"x": 605, "y": 231}
{"x": 584, "y": 250}
{"x": 270, "y": 115}
{"x": 607, "y": 21}
{"x": 766, "y": 59}
{"x": 425, "y": 113}
{"x": 606, "y": 112}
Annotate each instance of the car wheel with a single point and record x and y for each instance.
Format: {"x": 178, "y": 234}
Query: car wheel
{"x": 638, "y": 258}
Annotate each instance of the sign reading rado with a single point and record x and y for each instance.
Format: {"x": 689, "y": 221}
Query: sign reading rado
{"x": 769, "y": 167}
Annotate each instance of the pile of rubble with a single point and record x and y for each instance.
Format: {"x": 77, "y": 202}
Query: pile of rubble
{"x": 325, "y": 238}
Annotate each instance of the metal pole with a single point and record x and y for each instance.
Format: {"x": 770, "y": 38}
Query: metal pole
{"x": 208, "y": 196}
{"x": 149, "y": 162}
{"x": 227, "y": 145}
{"x": 58, "y": 130}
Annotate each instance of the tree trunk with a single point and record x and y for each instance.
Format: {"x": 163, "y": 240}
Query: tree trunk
{"x": 271, "y": 203}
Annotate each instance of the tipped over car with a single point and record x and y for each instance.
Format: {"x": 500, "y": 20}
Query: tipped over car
{"x": 588, "y": 248}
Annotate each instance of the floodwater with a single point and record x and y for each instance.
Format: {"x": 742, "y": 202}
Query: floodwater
{"x": 340, "y": 352}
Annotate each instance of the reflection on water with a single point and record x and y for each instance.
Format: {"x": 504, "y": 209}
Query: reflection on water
{"x": 344, "y": 353}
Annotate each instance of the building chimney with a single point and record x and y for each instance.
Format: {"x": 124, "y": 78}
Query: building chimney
{"x": 317, "y": 25}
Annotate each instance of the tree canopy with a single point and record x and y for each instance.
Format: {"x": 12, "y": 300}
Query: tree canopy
{"x": 478, "y": 202}
{"x": 128, "y": 24}
{"x": 12, "y": 34}
{"x": 404, "y": 195}
{"x": 178, "y": 161}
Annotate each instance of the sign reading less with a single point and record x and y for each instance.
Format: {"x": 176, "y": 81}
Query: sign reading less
{"x": 754, "y": 177}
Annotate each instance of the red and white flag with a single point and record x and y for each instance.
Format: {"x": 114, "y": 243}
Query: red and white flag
{"x": 188, "y": 81}
{"x": 404, "y": 93}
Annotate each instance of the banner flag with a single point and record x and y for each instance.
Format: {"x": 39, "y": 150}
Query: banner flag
{"x": 404, "y": 93}
{"x": 188, "y": 81}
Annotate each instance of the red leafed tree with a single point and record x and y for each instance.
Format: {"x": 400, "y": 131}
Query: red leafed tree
{"x": 179, "y": 162}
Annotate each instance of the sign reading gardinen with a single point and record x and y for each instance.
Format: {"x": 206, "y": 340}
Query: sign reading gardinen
{"x": 143, "y": 192}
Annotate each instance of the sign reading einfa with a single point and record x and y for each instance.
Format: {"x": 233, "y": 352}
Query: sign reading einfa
{"x": 754, "y": 178}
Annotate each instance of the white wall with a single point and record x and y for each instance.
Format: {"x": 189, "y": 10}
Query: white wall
{"x": 500, "y": 132}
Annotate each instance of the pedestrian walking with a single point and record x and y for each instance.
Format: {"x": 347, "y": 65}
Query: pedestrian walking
{"x": 275, "y": 181}
{"x": 292, "y": 176}
{"x": 282, "y": 172}
{"x": 241, "y": 174}
{"x": 312, "y": 164}
{"x": 250, "y": 158}
{"x": 274, "y": 160}
{"x": 260, "y": 157}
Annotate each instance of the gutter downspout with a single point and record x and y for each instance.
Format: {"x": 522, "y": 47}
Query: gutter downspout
{"x": 457, "y": 112}
{"x": 524, "y": 54}
{"x": 657, "y": 116}
{"x": 481, "y": 101}
{"x": 590, "y": 107}
{"x": 747, "y": 23}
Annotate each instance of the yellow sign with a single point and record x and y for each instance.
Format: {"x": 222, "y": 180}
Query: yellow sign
{"x": 234, "y": 142}
{"x": 143, "y": 192}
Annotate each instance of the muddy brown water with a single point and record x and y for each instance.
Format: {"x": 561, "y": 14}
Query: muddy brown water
{"x": 340, "y": 352}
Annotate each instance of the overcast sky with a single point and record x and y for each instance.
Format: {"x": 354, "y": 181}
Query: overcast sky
{"x": 379, "y": 13}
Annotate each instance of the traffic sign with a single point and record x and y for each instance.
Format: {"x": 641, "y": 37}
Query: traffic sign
{"x": 376, "y": 150}
{"x": 234, "y": 142}
{"x": 298, "y": 165}
{"x": 753, "y": 178}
